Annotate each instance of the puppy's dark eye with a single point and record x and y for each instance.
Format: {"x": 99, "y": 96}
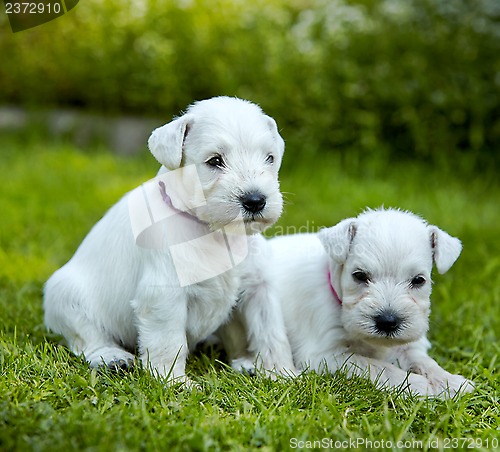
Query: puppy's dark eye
{"x": 417, "y": 281}
{"x": 361, "y": 277}
{"x": 216, "y": 162}
{"x": 270, "y": 159}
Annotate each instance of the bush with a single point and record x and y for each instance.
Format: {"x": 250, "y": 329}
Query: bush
{"x": 416, "y": 78}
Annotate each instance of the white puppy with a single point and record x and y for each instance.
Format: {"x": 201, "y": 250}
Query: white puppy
{"x": 356, "y": 297}
{"x": 166, "y": 265}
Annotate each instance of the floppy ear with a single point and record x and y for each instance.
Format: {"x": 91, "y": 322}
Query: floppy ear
{"x": 337, "y": 239}
{"x": 445, "y": 248}
{"x": 280, "y": 144}
{"x": 165, "y": 142}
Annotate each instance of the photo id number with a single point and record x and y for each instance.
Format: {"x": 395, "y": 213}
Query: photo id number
{"x": 33, "y": 8}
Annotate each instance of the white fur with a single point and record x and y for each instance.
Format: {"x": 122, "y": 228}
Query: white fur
{"x": 392, "y": 247}
{"x": 114, "y": 296}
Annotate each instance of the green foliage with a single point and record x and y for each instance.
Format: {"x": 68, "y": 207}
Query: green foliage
{"x": 51, "y": 400}
{"x": 418, "y": 77}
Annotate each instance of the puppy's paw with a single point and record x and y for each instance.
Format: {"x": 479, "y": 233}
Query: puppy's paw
{"x": 252, "y": 367}
{"x": 447, "y": 385}
{"x": 120, "y": 364}
{"x": 183, "y": 381}
{"x": 274, "y": 370}
{"x": 244, "y": 366}
{"x": 417, "y": 385}
{"x": 113, "y": 358}
{"x": 442, "y": 384}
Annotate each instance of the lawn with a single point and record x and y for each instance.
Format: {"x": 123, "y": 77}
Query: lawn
{"x": 50, "y": 400}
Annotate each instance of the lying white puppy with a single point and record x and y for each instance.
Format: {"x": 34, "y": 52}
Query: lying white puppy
{"x": 166, "y": 265}
{"x": 356, "y": 297}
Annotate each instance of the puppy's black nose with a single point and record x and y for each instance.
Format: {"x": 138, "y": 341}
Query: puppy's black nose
{"x": 253, "y": 201}
{"x": 387, "y": 323}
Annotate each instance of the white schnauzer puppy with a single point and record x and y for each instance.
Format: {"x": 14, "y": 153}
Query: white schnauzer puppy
{"x": 356, "y": 297}
{"x": 166, "y": 266}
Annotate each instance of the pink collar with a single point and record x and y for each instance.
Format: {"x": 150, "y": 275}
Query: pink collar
{"x": 334, "y": 292}
{"x": 168, "y": 201}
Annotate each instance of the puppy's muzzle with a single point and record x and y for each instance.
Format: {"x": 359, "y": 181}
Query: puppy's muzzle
{"x": 387, "y": 323}
{"x": 253, "y": 202}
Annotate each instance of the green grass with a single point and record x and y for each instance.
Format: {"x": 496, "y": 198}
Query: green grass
{"x": 50, "y": 399}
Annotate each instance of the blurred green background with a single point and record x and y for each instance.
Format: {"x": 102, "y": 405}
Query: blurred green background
{"x": 400, "y": 79}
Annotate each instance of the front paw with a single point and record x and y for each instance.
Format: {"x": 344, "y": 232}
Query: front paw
{"x": 113, "y": 358}
{"x": 244, "y": 366}
{"x": 183, "y": 381}
{"x": 273, "y": 371}
{"x": 417, "y": 385}
{"x": 253, "y": 366}
{"x": 120, "y": 364}
{"x": 448, "y": 385}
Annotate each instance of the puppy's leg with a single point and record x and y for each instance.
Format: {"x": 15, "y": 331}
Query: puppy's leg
{"x": 256, "y": 335}
{"x": 69, "y": 312}
{"x": 381, "y": 373}
{"x": 162, "y": 319}
{"x": 234, "y": 338}
{"x": 268, "y": 344}
{"x": 414, "y": 358}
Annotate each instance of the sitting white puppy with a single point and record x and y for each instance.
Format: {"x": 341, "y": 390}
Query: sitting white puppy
{"x": 356, "y": 297}
{"x": 166, "y": 265}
